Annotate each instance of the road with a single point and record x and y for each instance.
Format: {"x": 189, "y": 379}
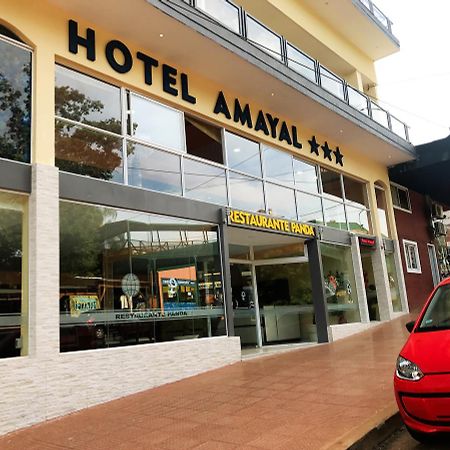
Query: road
{"x": 401, "y": 440}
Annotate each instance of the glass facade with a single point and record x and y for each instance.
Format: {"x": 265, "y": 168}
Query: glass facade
{"x": 129, "y": 278}
{"x": 340, "y": 286}
{"x": 169, "y": 152}
{"x": 15, "y": 101}
{"x": 13, "y": 274}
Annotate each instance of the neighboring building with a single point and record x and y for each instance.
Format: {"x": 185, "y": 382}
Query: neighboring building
{"x": 420, "y": 201}
{"x": 181, "y": 179}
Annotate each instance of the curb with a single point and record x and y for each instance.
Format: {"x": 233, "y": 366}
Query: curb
{"x": 358, "y": 435}
{"x": 379, "y": 434}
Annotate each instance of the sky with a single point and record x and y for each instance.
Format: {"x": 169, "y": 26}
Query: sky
{"x": 414, "y": 84}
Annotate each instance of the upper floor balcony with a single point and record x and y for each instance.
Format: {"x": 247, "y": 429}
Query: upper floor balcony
{"x": 252, "y": 30}
{"x": 378, "y": 15}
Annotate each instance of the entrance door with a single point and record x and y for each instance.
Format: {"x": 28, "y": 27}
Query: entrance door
{"x": 244, "y": 296}
{"x": 284, "y": 300}
{"x": 369, "y": 283}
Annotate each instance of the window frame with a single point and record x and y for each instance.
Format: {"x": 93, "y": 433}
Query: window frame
{"x": 407, "y": 244}
{"x": 396, "y": 199}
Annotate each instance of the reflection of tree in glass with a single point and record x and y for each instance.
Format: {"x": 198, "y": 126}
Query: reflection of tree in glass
{"x": 10, "y": 240}
{"x": 15, "y": 115}
{"x": 81, "y": 244}
{"x": 82, "y": 150}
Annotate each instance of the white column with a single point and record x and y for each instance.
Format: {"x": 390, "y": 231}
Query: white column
{"x": 382, "y": 282}
{"x": 44, "y": 262}
{"x": 400, "y": 276}
{"x": 359, "y": 280}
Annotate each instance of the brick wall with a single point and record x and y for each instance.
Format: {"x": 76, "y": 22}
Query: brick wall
{"x": 415, "y": 227}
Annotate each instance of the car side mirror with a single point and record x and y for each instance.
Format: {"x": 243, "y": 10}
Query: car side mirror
{"x": 410, "y": 325}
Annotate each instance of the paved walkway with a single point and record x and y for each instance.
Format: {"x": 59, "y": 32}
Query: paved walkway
{"x": 322, "y": 397}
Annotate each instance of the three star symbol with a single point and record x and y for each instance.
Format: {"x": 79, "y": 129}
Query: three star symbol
{"x": 327, "y": 151}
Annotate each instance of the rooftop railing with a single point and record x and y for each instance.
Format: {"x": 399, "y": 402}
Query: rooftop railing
{"x": 377, "y": 14}
{"x": 247, "y": 27}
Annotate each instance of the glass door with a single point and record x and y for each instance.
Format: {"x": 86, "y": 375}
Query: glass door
{"x": 285, "y": 302}
{"x": 244, "y": 296}
{"x": 369, "y": 284}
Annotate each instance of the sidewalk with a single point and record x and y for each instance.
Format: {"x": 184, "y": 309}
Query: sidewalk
{"x": 322, "y": 397}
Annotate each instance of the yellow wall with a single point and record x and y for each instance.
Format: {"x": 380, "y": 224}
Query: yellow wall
{"x": 45, "y": 28}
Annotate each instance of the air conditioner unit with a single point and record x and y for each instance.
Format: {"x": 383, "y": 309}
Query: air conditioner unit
{"x": 437, "y": 211}
{"x": 440, "y": 229}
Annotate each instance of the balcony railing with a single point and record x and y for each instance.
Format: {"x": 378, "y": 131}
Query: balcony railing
{"x": 247, "y": 27}
{"x": 377, "y": 14}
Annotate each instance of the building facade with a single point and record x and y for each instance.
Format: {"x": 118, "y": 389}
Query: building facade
{"x": 183, "y": 179}
{"x": 421, "y": 195}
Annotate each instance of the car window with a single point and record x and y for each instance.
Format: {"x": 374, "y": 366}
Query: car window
{"x": 437, "y": 315}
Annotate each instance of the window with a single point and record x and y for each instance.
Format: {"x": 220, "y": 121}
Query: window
{"x": 381, "y": 210}
{"x": 88, "y": 126}
{"x": 400, "y": 197}
{"x": 393, "y": 282}
{"x": 246, "y": 192}
{"x": 340, "y": 285}
{"x": 355, "y": 192}
{"x": 331, "y": 183}
{"x": 309, "y": 208}
{"x": 412, "y": 256}
{"x": 358, "y": 219}
{"x": 154, "y": 169}
{"x": 280, "y": 201}
{"x": 306, "y": 178}
{"x": 15, "y": 99}
{"x": 334, "y": 214}
{"x": 204, "y": 182}
{"x": 265, "y": 39}
{"x": 156, "y": 124}
{"x": 203, "y": 140}
{"x": 243, "y": 154}
{"x": 13, "y": 270}
{"x": 278, "y": 166}
{"x": 356, "y": 203}
{"x": 130, "y": 278}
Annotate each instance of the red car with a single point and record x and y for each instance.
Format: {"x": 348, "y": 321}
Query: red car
{"x": 422, "y": 376}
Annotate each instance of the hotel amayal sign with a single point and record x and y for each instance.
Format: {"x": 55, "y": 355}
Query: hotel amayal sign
{"x": 263, "y": 222}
